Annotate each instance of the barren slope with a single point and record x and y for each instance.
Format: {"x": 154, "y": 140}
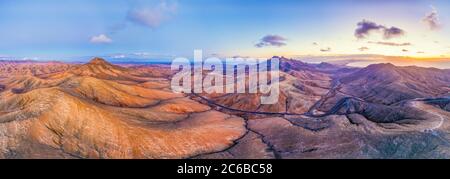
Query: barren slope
{"x": 99, "y": 110}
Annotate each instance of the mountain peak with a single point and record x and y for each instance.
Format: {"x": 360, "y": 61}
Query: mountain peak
{"x": 99, "y": 61}
{"x": 382, "y": 65}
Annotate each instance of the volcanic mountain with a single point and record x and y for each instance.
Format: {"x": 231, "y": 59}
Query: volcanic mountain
{"x": 381, "y": 111}
{"x": 301, "y": 86}
{"x": 33, "y": 68}
{"x": 388, "y": 84}
{"x": 99, "y": 110}
{"x": 316, "y": 88}
{"x": 99, "y": 68}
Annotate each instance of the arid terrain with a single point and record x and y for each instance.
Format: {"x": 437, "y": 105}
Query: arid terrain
{"x": 101, "y": 110}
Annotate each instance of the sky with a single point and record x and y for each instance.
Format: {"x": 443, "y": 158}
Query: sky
{"x": 164, "y": 29}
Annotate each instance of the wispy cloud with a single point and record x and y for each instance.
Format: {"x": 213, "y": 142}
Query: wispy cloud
{"x": 432, "y": 19}
{"x": 328, "y": 49}
{"x": 365, "y": 28}
{"x": 147, "y": 15}
{"x": 390, "y": 43}
{"x": 240, "y": 56}
{"x": 271, "y": 40}
{"x": 362, "y": 49}
{"x": 152, "y": 16}
{"x": 393, "y": 32}
{"x": 139, "y": 55}
{"x": 101, "y": 39}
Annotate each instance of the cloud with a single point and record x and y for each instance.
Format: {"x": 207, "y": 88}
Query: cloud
{"x": 149, "y": 14}
{"x": 315, "y": 43}
{"x": 117, "y": 27}
{"x": 393, "y": 32}
{"x": 240, "y": 56}
{"x": 271, "y": 40}
{"x": 420, "y": 52}
{"x": 405, "y": 50}
{"x": 142, "y": 54}
{"x": 365, "y": 28}
{"x": 390, "y": 43}
{"x": 328, "y": 49}
{"x": 363, "y": 49}
{"x": 139, "y": 56}
{"x": 152, "y": 16}
{"x": 118, "y": 56}
{"x": 101, "y": 39}
{"x": 432, "y": 19}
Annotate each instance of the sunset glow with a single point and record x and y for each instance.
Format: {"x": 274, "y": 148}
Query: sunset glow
{"x": 163, "y": 29}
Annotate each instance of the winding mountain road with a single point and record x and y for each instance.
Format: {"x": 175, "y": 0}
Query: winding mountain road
{"x": 421, "y": 105}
